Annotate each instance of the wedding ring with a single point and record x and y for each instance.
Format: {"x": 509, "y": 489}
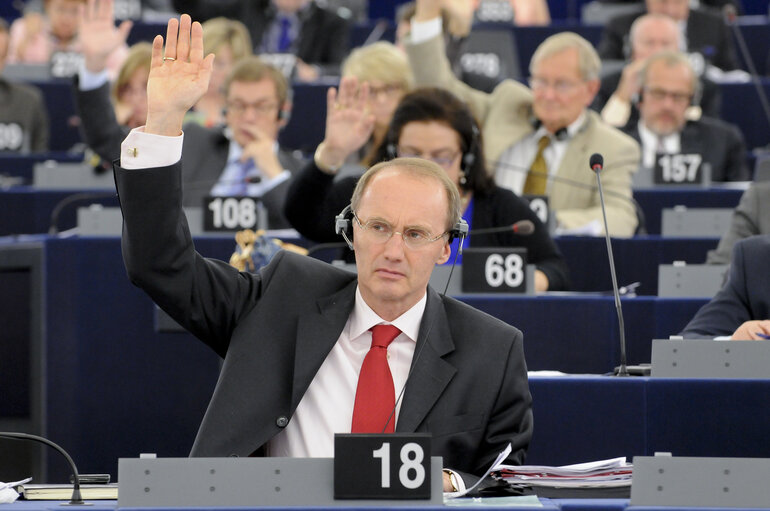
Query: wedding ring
{"x": 168, "y": 58}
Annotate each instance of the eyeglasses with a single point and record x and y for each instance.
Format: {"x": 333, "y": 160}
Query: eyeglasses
{"x": 386, "y": 91}
{"x": 561, "y": 87}
{"x": 444, "y": 159}
{"x": 238, "y": 107}
{"x": 680, "y": 98}
{"x": 380, "y": 231}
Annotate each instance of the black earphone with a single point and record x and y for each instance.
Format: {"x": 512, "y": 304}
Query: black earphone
{"x": 343, "y": 226}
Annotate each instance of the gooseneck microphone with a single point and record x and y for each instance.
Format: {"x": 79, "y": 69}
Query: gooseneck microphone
{"x": 596, "y": 162}
{"x": 76, "y": 499}
{"x": 522, "y": 228}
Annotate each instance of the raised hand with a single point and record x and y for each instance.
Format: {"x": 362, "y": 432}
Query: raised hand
{"x": 98, "y": 35}
{"x": 349, "y": 123}
{"x": 177, "y": 78}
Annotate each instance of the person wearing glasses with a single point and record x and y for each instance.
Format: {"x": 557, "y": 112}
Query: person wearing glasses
{"x": 297, "y": 335}
{"x": 668, "y": 84}
{"x": 432, "y": 124}
{"x": 223, "y": 160}
{"x": 539, "y": 141}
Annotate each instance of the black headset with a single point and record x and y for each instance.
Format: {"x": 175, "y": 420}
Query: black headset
{"x": 343, "y": 226}
{"x": 560, "y": 135}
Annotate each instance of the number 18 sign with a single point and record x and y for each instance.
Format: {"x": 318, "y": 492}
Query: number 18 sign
{"x": 388, "y": 466}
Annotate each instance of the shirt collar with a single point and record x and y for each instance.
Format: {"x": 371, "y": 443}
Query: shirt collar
{"x": 572, "y": 129}
{"x": 363, "y": 318}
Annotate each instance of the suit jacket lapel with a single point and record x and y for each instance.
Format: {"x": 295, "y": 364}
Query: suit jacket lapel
{"x": 430, "y": 374}
{"x": 317, "y": 332}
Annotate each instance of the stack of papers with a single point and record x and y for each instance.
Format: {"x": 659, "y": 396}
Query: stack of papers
{"x": 612, "y": 473}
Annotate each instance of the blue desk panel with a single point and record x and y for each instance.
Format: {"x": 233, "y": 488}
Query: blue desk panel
{"x": 636, "y": 260}
{"x": 654, "y": 200}
{"x": 27, "y": 210}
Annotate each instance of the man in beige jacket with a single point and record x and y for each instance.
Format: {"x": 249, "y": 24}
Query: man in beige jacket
{"x": 539, "y": 141}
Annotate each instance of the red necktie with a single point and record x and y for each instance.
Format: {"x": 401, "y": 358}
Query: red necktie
{"x": 375, "y": 394}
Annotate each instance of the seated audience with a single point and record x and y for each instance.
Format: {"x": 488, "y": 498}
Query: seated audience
{"x": 705, "y": 32}
{"x": 23, "y": 117}
{"x": 317, "y": 36}
{"x": 220, "y": 159}
{"x": 385, "y": 68}
{"x": 539, "y": 141}
{"x": 750, "y": 218}
{"x": 431, "y": 124}
{"x": 668, "y": 84}
{"x": 616, "y": 99}
{"x": 740, "y": 310}
{"x": 229, "y": 41}
{"x": 36, "y": 37}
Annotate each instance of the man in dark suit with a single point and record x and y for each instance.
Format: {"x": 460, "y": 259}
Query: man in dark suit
{"x": 705, "y": 33}
{"x": 217, "y": 159}
{"x": 316, "y": 35}
{"x": 741, "y": 310}
{"x": 650, "y": 34}
{"x": 668, "y": 83}
{"x": 294, "y": 335}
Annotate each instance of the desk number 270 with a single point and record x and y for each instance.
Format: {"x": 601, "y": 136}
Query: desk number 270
{"x": 411, "y": 465}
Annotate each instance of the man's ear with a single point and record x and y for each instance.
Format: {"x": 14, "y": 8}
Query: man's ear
{"x": 446, "y": 251}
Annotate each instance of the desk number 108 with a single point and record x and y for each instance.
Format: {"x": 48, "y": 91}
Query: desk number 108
{"x": 411, "y": 474}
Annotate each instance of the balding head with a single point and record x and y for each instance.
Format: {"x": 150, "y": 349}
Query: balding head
{"x": 653, "y": 33}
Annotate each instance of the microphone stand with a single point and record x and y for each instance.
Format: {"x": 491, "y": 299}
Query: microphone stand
{"x": 76, "y": 499}
{"x": 622, "y": 370}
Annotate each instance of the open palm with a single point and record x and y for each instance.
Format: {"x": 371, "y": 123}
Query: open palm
{"x": 177, "y": 78}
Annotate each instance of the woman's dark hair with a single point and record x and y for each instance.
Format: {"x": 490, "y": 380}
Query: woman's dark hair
{"x": 439, "y": 105}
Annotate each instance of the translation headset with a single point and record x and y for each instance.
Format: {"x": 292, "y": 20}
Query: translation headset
{"x": 343, "y": 226}
{"x": 560, "y": 135}
{"x": 695, "y": 99}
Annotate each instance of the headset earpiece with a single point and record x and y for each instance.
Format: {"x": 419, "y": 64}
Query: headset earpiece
{"x": 391, "y": 150}
{"x": 343, "y": 225}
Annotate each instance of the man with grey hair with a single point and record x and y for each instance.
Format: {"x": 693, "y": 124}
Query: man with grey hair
{"x": 683, "y": 150}
{"x": 305, "y": 345}
{"x": 616, "y": 99}
{"x": 539, "y": 141}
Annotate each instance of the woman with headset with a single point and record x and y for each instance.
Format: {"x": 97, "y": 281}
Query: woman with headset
{"x": 431, "y": 124}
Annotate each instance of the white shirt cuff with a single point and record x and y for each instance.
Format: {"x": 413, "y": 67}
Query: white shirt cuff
{"x": 422, "y": 31}
{"x": 142, "y": 150}
{"x": 88, "y": 80}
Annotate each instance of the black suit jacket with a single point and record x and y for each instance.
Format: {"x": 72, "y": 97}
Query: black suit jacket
{"x": 720, "y": 144}
{"x": 745, "y": 297}
{"x": 710, "y": 100}
{"x": 324, "y": 37}
{"x": 314, "y": 198}
{"x": 274, "y": 328}
{"x": 204, "y": 149}
{"x": 707, "y": 33}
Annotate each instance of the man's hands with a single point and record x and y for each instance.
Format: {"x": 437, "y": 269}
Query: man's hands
{"x": 261, "y": 150}
{"x": 349, "y": 123}
{"x": 98, "y": 35}
{"x": 748, "y": 331}
{"x": 630, "y": 80}
{"x": 177, "y": 79}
